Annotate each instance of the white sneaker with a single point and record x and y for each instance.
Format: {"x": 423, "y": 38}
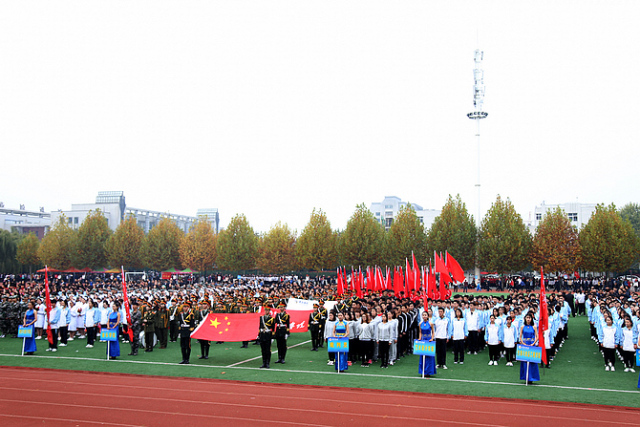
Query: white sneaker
{"x": 462, "y": 363}
{"x": 330, "y": 362}
{"x": 89, "y": 346}
{"x": 54, "y": 349}
{"x": 392, "y": 363}
{"x": 455, "y": 363}
{"x": 632, "y": 370}
{"x": 48, "y": 349}
{"x": 490, "y": 362}
{"x": 613, "y": 369}
{"x": 607, "y": 368}
{"x": 38, "y": 338}
{"x": 82, "y": 337}
{"x": 69, "y": 339}
{"x": 444, "y": 367}
{"x": 63, "y": 345}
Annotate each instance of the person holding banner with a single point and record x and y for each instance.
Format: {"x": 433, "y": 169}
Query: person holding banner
{"x": 529, "y": 336}
{"x": 340, "y": 330}
{"x": 427, "y": 368}
{"x": 113, "y": 322}
{"x": 54, "y": 318}
{"x": 30, "y": 318}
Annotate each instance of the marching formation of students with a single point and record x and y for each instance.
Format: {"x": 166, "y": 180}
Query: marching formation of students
{"x": 381, "y": 328}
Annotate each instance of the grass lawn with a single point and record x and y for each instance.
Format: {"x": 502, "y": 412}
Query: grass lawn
{"x": 577, "y": 374}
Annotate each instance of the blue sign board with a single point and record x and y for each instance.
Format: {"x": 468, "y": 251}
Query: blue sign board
{"x": 109, "y": 334}
{"x": 424, "y": 348}
{"x": 338, "y": 345}
{"x": 526, "y": 353}
{"x": 25, "y": 331}
{"x": 638, "y": 357}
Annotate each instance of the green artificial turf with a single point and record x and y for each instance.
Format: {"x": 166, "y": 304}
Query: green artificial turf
{"x": 577, "y": 374}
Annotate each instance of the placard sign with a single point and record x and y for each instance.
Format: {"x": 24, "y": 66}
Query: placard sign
{"x": 25, "y": 331}
{"x": 338, "y": 345}
{"x": 424, "y": 348}
{"x": 526, "y": 353}
{"x": 109, "y": 334}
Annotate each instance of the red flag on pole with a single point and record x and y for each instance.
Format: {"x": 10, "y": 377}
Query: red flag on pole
{"x": 454, "y": 268}
{"x": 442, "y": 269}
{"x": 48, "y": 304}
{"x": 228, "y": 327}
{"x": 416, "y": 274}
{"x": 543, "y": 322}
{"x": 432, "y": 289}
{"x": 408, "y": 281}
{"x": 127, "y": 310}
{"x": 340, "y": 283}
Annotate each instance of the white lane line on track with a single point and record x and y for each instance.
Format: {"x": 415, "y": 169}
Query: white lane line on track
{"x": 346, "y": 374}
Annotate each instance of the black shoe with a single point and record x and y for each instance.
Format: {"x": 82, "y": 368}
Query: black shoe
{"x": 256, "y": 343}
{"x": 263, "y": 366}
{"x": 181, "y": 363}
{"x": 278, "y": 361}
{"x": 282, "y": 361}
{"x": 268, "y": 367}
{"x": 244, "y": 346}
{"x": 201, "y": 357}
{"x": 131, "y": 354}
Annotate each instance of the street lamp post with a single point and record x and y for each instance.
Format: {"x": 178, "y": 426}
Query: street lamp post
{"x": 478, "y": 114}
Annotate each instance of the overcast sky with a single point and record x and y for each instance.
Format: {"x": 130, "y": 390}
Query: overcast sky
{"x": 272, "y": 108}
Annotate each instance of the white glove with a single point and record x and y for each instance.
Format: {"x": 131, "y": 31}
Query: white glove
{"x": 286, "y": 337}
{"x": 172, "y": 317}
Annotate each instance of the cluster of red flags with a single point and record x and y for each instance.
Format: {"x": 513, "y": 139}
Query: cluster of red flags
{"x": 414, "y": 282}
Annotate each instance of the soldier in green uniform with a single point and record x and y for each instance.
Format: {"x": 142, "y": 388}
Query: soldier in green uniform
{"x": 136, "y": 326}
{"x": 315, "y": 317}
{"x": 162, "y": 323}
{"x": 265, "y": 334}
{"x": 149, "y": 324}
{"x": 283, "y": 321}
{"x": 187, "y": 325}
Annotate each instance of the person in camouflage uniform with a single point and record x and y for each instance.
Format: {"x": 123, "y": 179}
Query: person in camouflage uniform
{"x": 136, "y": 327}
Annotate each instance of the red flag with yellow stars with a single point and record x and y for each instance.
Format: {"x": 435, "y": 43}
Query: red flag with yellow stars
{"x": 228, "y": 327}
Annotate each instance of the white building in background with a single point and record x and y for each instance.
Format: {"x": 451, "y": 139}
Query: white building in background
{"x": 114, "y": 208}
{"x": 578, "y": 213}
{"x": 387, "y": 210}
{"x": 25, "y": 221}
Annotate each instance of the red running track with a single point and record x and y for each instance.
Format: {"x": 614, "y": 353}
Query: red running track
{"x": 37, "y": 397}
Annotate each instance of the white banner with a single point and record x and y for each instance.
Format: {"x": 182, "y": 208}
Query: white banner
{"x": 307, "y": 304}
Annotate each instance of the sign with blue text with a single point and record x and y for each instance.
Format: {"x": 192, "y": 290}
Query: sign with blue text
{"x": 424, "y": 348}
{"x": 638, "y": 357}
{"x": 338, "y": 345}
{"x": 25, "y": 331}
{"x": 109, "y": 334}
{"x": 526, "y": 353}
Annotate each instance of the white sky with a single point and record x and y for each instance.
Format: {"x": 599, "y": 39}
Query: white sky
{"x": 272, "y": 108}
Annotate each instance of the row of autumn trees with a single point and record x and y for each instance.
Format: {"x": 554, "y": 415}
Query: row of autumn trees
{"x": 610, "y": 242}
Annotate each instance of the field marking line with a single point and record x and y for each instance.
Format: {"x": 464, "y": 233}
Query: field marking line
{"x": 72, "y": 421}
{"x": 259, "y": 357}
{"x": 346, "y": 374}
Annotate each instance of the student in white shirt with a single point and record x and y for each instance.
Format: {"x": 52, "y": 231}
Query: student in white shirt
{"x": 493, "y": 338}
{"x": 628, "y": 339}
{"x": 442, "y": 334}
{"x": 459, "y": 336}
{"x": 510, "y": 337}
{"x": 608, "y": 337}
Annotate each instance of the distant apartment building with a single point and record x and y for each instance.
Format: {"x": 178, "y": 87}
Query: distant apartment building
{"x": 579, "y": 214}
{"x": 113, "y": 206}
{"x": 25, "y": 221}
{"x": 387, "y": 210}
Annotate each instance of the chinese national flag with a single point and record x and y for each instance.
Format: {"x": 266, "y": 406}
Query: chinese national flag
{"x": 228, "y": 327}
{"x": 299, "y": 320}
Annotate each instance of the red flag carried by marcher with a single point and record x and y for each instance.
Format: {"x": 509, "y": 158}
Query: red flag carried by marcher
{"x": 48, "y": 304}
{"x": 408, "y": 277}
{"x": 299, "y": 320}
{"x": 416, "y": 273}
{"x": 228, "y": 327}
{"x": 442, "y": 269}
{"x": 340, "y": 283}
{"x": 454, "y": 268}
{"x": 127, "y": 311}
{"x": 543, "y": 322}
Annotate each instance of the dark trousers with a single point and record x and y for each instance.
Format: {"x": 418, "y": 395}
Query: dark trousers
{"x": 354, "y": 349}
{"x": 511, "y": 354}
{"x": 64, "y": 334}
{"x": 281, "y": 341}
{"x": 54, "y": 335}
{"x": 473, "y": 341}
{"x": 441, "y": 351}
{"x": 383, "y": 353}
{"x": 494, "y": 352}
{"x": 609, "y": 356}
{"x": 185, "y": 345}
{"x": 91, "y": 335}
{"x": 265, "y": 348}
{"x": 367, "y": 351}
{"x": 458, "y": 350}
{"x": 315, "y": 336}
{"x": 148, "y": 340}
{"x": 204, "y": 347}
{"x": 135, "y": 342}
{"x": 162, "y": 334}
{"x": 174, "y": 328}
{"x": 627, "y": 358}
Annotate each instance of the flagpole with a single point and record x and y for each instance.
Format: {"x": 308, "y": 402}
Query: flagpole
{"x": 24, "y": 340}
{"x": 423, "y": 367}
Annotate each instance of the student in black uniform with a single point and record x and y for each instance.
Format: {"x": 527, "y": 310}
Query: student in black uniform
{"x": 265, "y": 335}
{"x": 283, "y": 321}
{"x": 187, "y": 325}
